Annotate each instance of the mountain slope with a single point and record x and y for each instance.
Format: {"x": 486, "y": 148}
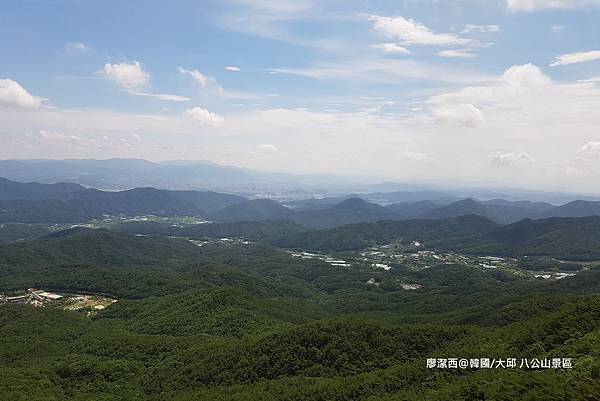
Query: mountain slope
{"x": 96, "y": 247}
{"x": 358, "y": 236}
{"x": 501, "y": 211}
{"x": 256, "y": 209}
{"x": 19, "y": 232}
{"x": 249, "y": 230}
{"x": 11, "y": 190}
{"x": 48, "y": 211}
{"x": 208, "y": 201}
{"x": 564, "y": 238}
{"x": 578, "y": 208}
{"x": 352, "y": 210}
{"x": 133, "y": 202}
{"x": 411, "y": 210}
{"x": 72, "y": 203}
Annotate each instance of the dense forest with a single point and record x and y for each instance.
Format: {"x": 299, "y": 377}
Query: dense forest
{"x": 234, "y": 321}
{"x": 571, "y": 238}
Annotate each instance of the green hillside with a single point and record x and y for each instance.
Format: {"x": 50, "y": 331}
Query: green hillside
{"x": 251, "y": 322}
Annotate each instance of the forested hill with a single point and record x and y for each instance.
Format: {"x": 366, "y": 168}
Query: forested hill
{"x": 563, "y": 238}
{"x": 71, "y": 203}
{"x": 347, "y": 211}
{"x": 358, "y": 236}
{"x": 568, "y": 238}
{"x": 98, "y": 248}
{"x": 265, "y": 230}
{"x": 249, "y": 322}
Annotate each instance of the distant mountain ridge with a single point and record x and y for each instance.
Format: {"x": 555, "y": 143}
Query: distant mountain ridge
{"x": 348, "y": 211}
{"x": 11, "y": 190}
{"x": 578, "y": 208}
{"x": 501, "y": 211}
{"x": 73, "y": 203}
{"x": 126, "y": 173}
{"x": 574, "y": 238}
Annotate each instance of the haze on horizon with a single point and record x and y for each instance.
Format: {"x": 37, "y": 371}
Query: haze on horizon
{"x": 503, "y": 92}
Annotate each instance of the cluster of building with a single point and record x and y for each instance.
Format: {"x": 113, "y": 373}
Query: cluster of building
{"x": 74, "y": 302}
{"x": 415, "y": 257}
{"x": 33, "y": 297}
{"x": 337, "y": 262}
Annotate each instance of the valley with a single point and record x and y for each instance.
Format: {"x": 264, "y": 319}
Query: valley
{"x": 269, "y": 302}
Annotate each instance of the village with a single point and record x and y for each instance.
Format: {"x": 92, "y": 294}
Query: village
{"x": 415, "y": 257}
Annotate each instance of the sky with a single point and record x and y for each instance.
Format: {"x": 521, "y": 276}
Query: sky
{"x": 485, "y": 92}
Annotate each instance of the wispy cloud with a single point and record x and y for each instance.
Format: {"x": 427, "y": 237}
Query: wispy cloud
{"x": 410, "y": 32}
{"x": 386, "y": 71}
{"x": 574, "y": 58}
{"x": 459, "y": 53}
{"x": 198, "y": 77}
{"x": 162, "y": 96}
{"x": 534, "y": 5}
{"x": 392, "y": 48}
{"x": 480, "y": 28}
{"x": 77, "y": 47}
{"x": 132, "y": 78}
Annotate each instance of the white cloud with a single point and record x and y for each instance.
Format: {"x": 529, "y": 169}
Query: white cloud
{"x": 591, "y": 148}
{"x": 129, "y": 76}
{"x": 465, "y": 114}
{"x": 267, "y": 147}
{"x": 525, "y": 76}
{"x": 410, "y": 32}
{"x": 480, "y": 28}
{"x": 77, "y": 47}
{"x": 516, "y": 160}
{"x": 524, "y": 93}
{"x": 392, "y": 48}
{"x": 517, "y": 117}
{"x": 458, "y": 53}
{"x": 204, "y": 116}
{"x": 233, "y": 68}
{"x": 13, "y": 94}
{"x": 557, "y": 28}
{"x": 519, "y": 86}
{"x": 198, "y": 77}
{"x": 533, "y": 5}
{"x": 573, "y": 58}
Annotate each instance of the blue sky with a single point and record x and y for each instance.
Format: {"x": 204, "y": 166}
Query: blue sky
{"x": 491, "y": 92}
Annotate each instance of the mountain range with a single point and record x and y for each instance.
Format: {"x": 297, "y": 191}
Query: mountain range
{"x": 37, "y": 203}
{"x": 124, "y": 173}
